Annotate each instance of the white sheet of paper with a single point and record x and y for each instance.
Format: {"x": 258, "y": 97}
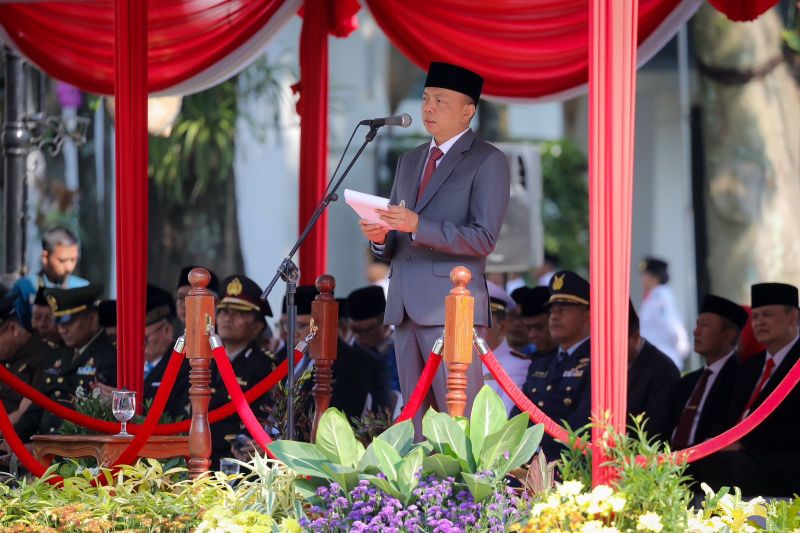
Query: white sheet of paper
{"x": 365, "y": 205}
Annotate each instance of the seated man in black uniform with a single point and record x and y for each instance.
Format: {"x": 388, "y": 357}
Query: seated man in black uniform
{"x": 240, "y": 320}
{"x": 23, "y": 353}
{"x": 701, "y": 398}
{"x": 651, "y": 378}
{"x": 87, "y": 358}
{"x": 560, "y": 383}
{"x": 766, "y": 461}
{"x": 365, "y": 307}
{"x": 159, "y": 340}
{"x": 356, "y": 372}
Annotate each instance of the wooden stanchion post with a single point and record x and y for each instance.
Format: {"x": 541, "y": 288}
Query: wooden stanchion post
{"x": 459, "y": 308}
{"x": 325, "y": 317}
{"x": 200, "y": 320}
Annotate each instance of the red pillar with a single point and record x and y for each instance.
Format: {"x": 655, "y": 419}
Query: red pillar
{"x": 313, "y": 110}
{"x": 612, "y": 92}
{"x": 130, "y": 92}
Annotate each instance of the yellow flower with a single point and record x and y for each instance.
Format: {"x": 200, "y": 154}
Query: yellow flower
{"x": 649, "y": 521}
{"x": 596, "y": 526}
{"x": 290, "y": 525}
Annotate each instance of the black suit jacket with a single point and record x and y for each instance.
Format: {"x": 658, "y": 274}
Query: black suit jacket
{"x": 651, "y": 379}
{"x": 774, "y": 443}
{"x": 716, "y": 415}
{"x": 178, "y": 404}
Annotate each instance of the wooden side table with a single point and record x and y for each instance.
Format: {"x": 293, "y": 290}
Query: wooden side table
{"x": 105, "y": 448}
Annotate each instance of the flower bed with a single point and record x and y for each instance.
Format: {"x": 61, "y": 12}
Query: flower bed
{"x": 465, "y": 477}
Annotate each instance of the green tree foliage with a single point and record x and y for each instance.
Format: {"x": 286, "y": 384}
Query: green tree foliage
{"x": 565, "y": 207}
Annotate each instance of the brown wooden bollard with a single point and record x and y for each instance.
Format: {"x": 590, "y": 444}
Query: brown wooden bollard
{"x": 325, "y": 316}
{"x": 459, "y": 314}
{"x": 200, "y": 320}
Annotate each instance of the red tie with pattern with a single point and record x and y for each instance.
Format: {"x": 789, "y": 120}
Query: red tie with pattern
{"x": 684, "y": 428}
{"x": 761, "y": 383}
{"x": 434, "y": 155}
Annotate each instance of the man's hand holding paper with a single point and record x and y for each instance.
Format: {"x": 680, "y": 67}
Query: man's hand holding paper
{"x": 400, "y": 218}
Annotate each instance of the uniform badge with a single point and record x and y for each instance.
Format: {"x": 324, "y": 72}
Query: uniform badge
{"x": 52, "y": 302}
{"x": 558, "y": 282}
{"x": 540, "y": 374}
{"x": 87, "y": 370}
{"x": 234, "y": 287}
{"x": 573, "y": 373}
{"x": 22, "y": 367}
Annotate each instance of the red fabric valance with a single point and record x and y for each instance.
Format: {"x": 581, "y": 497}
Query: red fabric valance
{"x": 74, "y": 41}
{"x": 742, "y": 10}
{"x": 523, "y": 48}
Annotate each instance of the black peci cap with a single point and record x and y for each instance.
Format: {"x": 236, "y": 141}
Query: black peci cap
{"x": 724, "y": 308}
{"x": 762, "y": 294}
{"x": 455, "y": 78}
{"x": 534, "y": 301}
{"x": 303, "y": 298}
{"x": 159, "y": 305}
{"x": 366, "y": 302}
{"x": 107, "y": 313}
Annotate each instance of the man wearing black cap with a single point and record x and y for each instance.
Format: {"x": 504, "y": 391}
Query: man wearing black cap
{"x": 24, "y": 354}
{"x": 660, "y": 321}
{"x": 701, "y": 399}
{"x": 535, "y": 317}
{"x": 651, "y": 379}
{"x": 240, "y": 320}
{"x": 107, "y": 316}
{"x": 514, "y": 363}
{"x": 356, "y": 372}
{"x": 559, "y": 384}
{"x": 183, "y": 287}
{"x": 766, "y": 461}
{"x": 88, "y": 356}
{"x": 448, "y": 203}
{"x": 43, "y": 322}
{"x": 159, "y": 340}
{"x": 366, "y": 307}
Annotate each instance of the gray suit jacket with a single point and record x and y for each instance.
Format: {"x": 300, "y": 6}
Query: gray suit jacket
{"x": 460, "y": 216}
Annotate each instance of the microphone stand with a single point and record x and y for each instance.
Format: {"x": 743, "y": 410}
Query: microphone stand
{"x": 289, "y": 272}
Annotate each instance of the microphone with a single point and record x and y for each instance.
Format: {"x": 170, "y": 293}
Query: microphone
{"x": 403, "y": 121}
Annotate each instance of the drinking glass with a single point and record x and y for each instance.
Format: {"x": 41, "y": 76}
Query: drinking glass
{"x": 123, "y": 406}
{"x": 228, "y": 466}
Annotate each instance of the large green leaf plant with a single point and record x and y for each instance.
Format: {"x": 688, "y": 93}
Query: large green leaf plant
{"x": 477, "y": 452}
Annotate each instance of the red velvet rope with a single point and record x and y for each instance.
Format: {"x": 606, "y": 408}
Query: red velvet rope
{"x": 15, "y": 443}
{"x": 737, "y": 432}
{"x": 238, "y": 399}
{"x": 104, "y": 426}
{"x": 422, "y": 388}
{"x": 536, "y": 415}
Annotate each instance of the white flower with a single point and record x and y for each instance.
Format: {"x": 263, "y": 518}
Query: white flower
{"x": 649, "y": 521}
{"x": 617, "y": 503}
{"x": 602, "y": 492}
{"x": 570, "y": 488}
{"x": 596, "y": 526}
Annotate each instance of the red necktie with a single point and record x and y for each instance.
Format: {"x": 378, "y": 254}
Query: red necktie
{"x": 760, "y": 387}
{"x": 434, "y": 155}
{"x": 684, "y": 428}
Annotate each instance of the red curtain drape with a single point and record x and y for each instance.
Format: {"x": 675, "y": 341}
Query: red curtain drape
{"x": 320, "y": 17}
{"x": 130, "y": 91}
{"x": 612, "y": 97}
{"x": 74, "y": 41}
{"x": 742, "y": 10}
{"x": 524, "y": 48}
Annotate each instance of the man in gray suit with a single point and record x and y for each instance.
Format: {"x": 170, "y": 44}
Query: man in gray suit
{"x": 449, "y": 200}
